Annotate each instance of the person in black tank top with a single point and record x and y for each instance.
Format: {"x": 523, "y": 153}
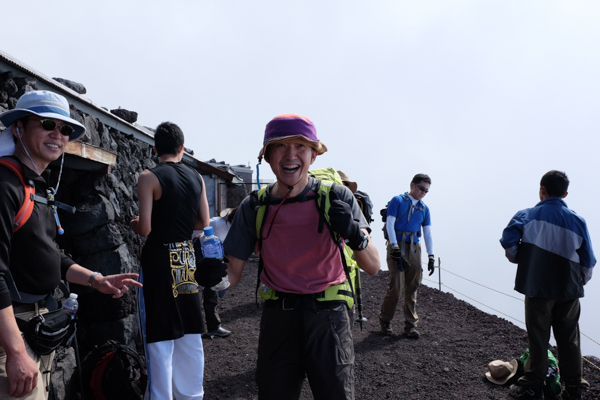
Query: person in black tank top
{"x": 172, "y": 204}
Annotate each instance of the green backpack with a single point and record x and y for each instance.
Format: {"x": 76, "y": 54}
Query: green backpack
{"x": 552, "y": 377}
{"x": 345, "y": 290}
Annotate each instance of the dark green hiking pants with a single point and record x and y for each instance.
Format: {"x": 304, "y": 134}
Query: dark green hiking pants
{"x": 563, "y": 317}
{"x": 305, "y": 338}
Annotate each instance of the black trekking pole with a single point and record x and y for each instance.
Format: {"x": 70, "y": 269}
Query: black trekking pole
{"x": 78, "y": 361}
{"x": 76, "y": 348}
{"x": 361, "y": 319}
{"x": 440, "y": 273}
{"x": 140, "y": 321}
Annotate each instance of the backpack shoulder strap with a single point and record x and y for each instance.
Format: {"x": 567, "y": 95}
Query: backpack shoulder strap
{"x": 324, "y": 204}
{"x": 137, "y": 389}
{"x": 258, "y": 201}
{"x": 29, "y": 194}
{"x": 406, "y": 205}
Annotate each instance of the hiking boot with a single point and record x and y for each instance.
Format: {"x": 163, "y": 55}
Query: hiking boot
{"x": 220, "y": 331}
{"x": 411, "y": 334}
{"x": 523, "y": 392}
{"x": 571, "y": 392}
{"x": 386, "y": 327}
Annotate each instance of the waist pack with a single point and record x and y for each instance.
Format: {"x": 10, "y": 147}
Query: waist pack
{"x": 44, "y": 333}
{"x": 113, "y": 371}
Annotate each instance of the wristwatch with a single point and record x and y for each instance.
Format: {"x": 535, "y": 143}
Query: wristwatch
{"x": 365, "y": 242}
{"x": 91, "y": 279}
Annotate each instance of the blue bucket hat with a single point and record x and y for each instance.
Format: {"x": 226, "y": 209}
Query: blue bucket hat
{"x": 44, "y": 104}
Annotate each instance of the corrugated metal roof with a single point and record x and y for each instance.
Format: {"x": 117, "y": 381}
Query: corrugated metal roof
{"x": 82, "y": 103}
{"x": 86, "y": 105}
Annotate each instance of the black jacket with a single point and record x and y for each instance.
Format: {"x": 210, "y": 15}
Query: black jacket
{"x": 33, "y": 257}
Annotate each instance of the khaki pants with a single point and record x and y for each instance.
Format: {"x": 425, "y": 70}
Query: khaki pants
{"x": 410, "y": 280}
{"x": 44, "y": 364}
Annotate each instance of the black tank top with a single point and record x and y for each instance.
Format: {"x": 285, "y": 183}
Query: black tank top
{"x": 174, "y": 214}
{"x": 171, "y": 293}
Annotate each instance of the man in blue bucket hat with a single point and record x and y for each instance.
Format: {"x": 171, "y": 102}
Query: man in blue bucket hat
{"x": 37, "y": 132}
{"x": 42, "y": 104}
{"x": 305, "y": 328}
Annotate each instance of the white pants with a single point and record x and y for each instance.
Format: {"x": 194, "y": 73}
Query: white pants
{"x": 176, "y": 368}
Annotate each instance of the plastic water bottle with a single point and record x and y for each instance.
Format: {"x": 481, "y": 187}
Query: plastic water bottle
{"x": 213, "y": 248}
{"x": 71, "y": 305}
{"x": 211, "y": 245}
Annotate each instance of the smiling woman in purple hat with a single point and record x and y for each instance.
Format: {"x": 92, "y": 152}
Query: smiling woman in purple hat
{"x": 305, "y": 328}
{"x": 31, "y": 264}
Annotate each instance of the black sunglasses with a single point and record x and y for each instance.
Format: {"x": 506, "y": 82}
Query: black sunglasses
{"x": 50, "y": 125}
{"x": 422, "y": 189}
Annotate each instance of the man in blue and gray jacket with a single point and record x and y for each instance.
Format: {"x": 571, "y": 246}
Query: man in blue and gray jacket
{"x": 551, "y": 245}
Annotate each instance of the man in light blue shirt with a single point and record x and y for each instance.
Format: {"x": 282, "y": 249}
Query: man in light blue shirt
{"x": 406, "y": 214}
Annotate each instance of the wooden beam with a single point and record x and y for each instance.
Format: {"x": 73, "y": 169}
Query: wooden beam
{"x": 90, "y": 152}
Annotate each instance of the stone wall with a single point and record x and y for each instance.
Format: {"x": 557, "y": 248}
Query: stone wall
{"x": 98, "y": 236}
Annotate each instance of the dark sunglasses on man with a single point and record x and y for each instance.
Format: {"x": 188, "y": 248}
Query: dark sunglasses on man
{"x": 50, "y": 125}
{"x": 422, "y": 189}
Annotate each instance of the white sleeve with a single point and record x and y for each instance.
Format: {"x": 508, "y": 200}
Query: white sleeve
{"x": 389, "y": 227}
{"x": 221, "y": 227}
{"x": 428, "y": 239}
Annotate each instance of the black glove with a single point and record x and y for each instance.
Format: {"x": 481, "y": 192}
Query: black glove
{"x": 396, "y": 253}
{"x": 401, "y": 262}
{"x": 210, "y": 271}
{"x": 430, "y": 266}
{"x": 340, "y": 218}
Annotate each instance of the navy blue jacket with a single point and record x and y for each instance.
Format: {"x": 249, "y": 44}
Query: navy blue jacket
{"x": 551, "y": 245}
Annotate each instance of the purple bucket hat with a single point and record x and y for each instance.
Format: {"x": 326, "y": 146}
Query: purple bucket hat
{"x": 288, "y": 127}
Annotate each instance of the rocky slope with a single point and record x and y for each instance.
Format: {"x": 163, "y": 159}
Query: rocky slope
{"x": 447, "y": 362}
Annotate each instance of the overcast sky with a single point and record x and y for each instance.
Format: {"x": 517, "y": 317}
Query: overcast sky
{"x": 484, "y": 96}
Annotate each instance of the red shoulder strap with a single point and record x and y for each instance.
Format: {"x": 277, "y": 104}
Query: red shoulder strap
{"x": 27, "y": 207}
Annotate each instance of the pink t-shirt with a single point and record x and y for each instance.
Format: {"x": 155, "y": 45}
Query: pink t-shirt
{"x": 297, "y": 258}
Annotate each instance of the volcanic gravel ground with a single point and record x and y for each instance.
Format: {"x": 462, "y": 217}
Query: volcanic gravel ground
{"x": 447, "y": 362}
